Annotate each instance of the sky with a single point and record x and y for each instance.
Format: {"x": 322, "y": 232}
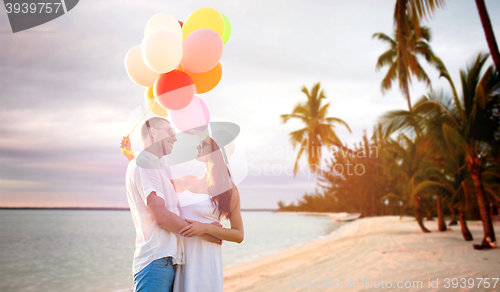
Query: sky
{"x": 66, "y": 99}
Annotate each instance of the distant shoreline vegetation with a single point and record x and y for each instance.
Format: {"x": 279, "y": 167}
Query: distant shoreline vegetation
{"x": 106, "y": 209}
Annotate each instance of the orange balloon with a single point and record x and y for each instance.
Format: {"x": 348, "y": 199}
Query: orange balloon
{"x": 206, "y": 81}
{"x": 157, "y": 109}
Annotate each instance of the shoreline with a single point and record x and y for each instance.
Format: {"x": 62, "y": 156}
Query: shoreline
{"x": 373, "y": 248}
{"x": 308, "y": 213}
{"x": 295, "y": 245}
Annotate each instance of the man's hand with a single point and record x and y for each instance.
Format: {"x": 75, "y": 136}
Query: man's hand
{"x": 125, "y": 148}
{"x": 125, "y": 143}
{"x": 211, "y": 238}
{"x": 219, "y": 241}
{"x": 195, "y": 228}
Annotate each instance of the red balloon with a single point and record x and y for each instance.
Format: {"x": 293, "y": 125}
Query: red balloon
{"x": 174, "y": 90}
{"x": 180, "y": 22}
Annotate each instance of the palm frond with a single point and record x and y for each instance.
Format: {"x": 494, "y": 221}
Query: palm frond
{"x": 385, "y": 38}
{"x": 339, "y": 121}
{"x": 386, "y": 58}
{"x": 297, "y": 136}
{"x": 454, "y": 139}
{"x": 285, "y": 118}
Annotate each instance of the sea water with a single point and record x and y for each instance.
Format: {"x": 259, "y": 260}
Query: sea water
{"x": 85, "y": 250}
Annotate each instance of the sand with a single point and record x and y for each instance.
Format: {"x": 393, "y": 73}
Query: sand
{"x": 376, "y": 249}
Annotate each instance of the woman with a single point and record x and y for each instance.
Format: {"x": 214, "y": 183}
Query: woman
{"x": 205, "y": 200}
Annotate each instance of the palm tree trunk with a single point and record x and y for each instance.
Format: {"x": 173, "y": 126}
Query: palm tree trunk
{"x": 488, "y": 31}
{"x": 441, "y": 223}
{"x": 484, "y": 210}
{"x": 494, "y": 206}
{"x": 429, "y": 215}
{"x": 418, "y": 215}
{"x": 465, "y": 230}
{"x": 498, "y": 192}
{"x": 453, "y": 215}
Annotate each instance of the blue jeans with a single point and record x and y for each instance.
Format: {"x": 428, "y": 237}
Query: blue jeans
{"x": 158, "y": 276}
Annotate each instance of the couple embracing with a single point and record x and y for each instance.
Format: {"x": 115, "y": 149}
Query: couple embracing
{"x": 178, "y": 248}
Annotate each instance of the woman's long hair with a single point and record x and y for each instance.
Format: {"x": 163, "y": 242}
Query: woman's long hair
{"x": 220, "y": 184}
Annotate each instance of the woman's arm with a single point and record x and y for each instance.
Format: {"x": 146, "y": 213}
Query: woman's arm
{"x": 234, "y": 234}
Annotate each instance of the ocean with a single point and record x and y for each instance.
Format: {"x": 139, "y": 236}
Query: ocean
{"x": 86, "y": 250}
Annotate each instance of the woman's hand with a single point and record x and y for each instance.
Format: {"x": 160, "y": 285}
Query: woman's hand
{"x": 194, "y": 229}
{"x": 125, "y": 147}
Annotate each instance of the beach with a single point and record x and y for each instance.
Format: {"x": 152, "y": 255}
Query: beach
{"x": 376, "y": 252}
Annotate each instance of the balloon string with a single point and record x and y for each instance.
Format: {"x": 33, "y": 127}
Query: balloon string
{"x": 150, "y": 108}
{"x": 123, "y": 149}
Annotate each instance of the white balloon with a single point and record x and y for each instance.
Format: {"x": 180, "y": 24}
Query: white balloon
{"x": 137, "y": 69}
{"x": 162, "y": 50}
{"x": 163, "y": 21}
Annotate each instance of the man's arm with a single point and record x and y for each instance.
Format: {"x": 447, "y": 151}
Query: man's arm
{"x": 162, "y": 216}
{"x": 168, "y": 220}
{"x": 235, "y": 233}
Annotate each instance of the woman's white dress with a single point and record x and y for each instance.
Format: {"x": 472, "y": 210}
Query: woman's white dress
{"x": 202, "y": 271}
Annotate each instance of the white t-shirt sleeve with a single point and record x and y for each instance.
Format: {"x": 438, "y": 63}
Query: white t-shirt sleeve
{"x": 149, "y": 181}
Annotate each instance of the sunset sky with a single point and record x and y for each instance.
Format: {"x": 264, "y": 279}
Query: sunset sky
{"x": 66, "y": 99}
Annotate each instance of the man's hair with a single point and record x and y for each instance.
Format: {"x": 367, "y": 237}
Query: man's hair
{"x": 153, "y": 122}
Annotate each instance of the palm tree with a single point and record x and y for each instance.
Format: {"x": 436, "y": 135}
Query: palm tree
{"x": 442, "y": 170}
{"x": 488, "y": 31}
{"x": 319, "y": 129}
{"x": 467, "y": 126}
{"x": 432, "y": 180}
{"x": 403, "y": 62}
{"x": 410, "y": 151}
{"x": 415, "y": 10}
{"x": 409, "y": 154}
{"x": 408, "y": 33}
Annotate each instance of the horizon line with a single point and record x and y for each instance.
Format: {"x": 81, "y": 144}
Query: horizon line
{"x": 103, "y": 208}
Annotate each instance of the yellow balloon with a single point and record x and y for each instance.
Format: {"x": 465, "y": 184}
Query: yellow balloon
{"x": 150, "y": 98}
{"x": 204, "y": 18}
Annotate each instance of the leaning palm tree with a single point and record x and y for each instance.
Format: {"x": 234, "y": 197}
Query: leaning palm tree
{"x": 441, "y": 170}
{"x": 488, "y": 31}
{"x": 467, "y": 127}
{"x": 403, "y": 62}
{"x": 410, "y": 153}
{"x": 319, "y": 129}
{"x": 430, "y": 180}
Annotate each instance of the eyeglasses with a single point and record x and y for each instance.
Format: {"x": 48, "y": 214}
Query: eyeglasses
{"x": 170, "y": 131}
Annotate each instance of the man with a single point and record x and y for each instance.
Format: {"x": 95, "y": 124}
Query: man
{"x": 153, "y": 204}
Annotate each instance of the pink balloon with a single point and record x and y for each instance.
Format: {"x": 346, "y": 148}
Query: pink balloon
{"x": 202, "y": 50}
{"x": 195, "y": 116}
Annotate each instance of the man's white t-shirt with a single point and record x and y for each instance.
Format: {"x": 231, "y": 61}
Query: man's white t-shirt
{"x": 146, "y": 174}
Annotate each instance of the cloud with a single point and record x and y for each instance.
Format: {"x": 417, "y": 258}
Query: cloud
{"x": 65, "y": 96}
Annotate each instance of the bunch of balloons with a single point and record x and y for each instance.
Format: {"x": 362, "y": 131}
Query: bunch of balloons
{"x": 178, "y": 59}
